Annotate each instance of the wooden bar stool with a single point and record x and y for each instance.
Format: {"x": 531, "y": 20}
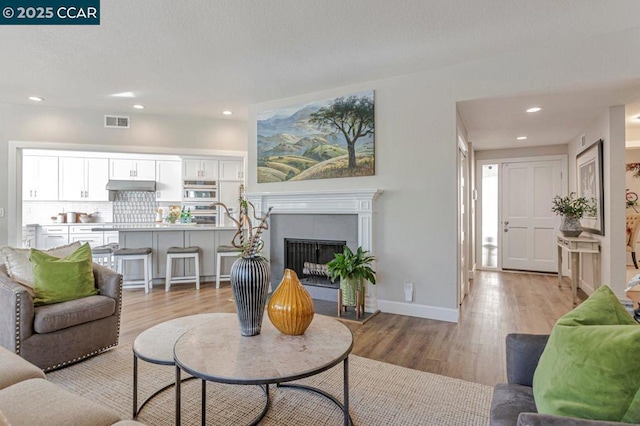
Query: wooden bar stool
{"x": 223, "y": 251}
{"x": 131, "y": 254}
{"x": 182, "y": 253}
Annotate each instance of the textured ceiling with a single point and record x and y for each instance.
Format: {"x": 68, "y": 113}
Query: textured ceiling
{"x": 200, "y": 57}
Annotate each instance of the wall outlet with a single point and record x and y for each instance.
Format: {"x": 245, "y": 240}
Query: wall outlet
{"x": 408, "y": 291}
{"x": 1, "y": 211}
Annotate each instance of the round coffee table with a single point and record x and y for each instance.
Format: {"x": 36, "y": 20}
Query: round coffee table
{"x": 155, "y": 346}
{"x": 268, "y": 358}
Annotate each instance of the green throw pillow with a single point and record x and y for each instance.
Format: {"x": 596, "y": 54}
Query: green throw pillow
{"x": 590, "y": 367}
{"x": 62, "y": 279}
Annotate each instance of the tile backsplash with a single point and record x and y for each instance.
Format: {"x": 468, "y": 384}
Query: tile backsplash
{"x": 40, "y": 212}
{"x": 135, "y": 207}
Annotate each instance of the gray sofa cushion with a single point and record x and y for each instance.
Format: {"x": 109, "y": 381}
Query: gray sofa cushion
{"x": 49, "y": 318}
{"x": 509, "y": 400}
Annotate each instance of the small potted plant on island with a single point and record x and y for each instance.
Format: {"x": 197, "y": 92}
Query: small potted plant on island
{"x": 572, "y": 209}
{"x": 352, "y": 268}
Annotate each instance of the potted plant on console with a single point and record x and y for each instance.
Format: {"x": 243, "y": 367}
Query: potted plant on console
{"x": 352, "y": 268}
{"x": 572, "y": 209}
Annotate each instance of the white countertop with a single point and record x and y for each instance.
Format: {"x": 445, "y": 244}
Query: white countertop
{"x": 141, "y": 227}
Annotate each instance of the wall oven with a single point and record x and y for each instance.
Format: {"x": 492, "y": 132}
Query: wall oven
{"x": 202, "y": 213}
{"x": 199, "y": 191}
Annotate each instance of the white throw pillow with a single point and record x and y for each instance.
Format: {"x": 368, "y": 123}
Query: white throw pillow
{"x": 18, "y": 265}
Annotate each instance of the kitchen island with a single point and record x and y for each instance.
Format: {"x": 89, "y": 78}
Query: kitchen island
{"x": 159, "y": 237}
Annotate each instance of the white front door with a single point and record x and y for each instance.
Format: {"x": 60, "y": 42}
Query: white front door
{"x": 528, "y": 225}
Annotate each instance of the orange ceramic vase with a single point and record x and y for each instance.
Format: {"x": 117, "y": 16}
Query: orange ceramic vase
{"x": 291, "y": 307}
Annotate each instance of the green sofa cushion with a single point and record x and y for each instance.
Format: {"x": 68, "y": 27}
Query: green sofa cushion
{"x": 61, "y": 279}
{"x": 590, "y": 367}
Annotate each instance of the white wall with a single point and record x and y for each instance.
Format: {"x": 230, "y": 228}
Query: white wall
{"x": 610, "y": 127}
{"x": 73, "y": 126}
{"x": 416, "y": 155}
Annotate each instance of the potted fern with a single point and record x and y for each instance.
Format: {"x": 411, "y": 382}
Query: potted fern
{"x": 572, "y": 209}
{"x": 351, "y": 268}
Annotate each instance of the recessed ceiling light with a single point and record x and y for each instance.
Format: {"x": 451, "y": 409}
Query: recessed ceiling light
{"x": 534, "y": 109}
{"x": 521, "y": 138}
{"x": 36, "y": 98}
{"x": 124, "y": 95}
{"x": 138, "y": 106}
{"x": 227, "y": 112}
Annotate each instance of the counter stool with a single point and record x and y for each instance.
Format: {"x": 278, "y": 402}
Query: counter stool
{"x": 129, "y": 254}
{"x": 224, "y": 251}
{"x": 182, "y": 253}
{"x": 103, "y": 255}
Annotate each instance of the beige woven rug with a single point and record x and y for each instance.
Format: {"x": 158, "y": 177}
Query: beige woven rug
{"x": 380, "y": 394}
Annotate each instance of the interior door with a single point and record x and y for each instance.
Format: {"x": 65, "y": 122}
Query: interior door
{"x": 529, "y": 226}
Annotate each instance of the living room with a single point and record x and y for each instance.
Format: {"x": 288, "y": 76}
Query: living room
{"x": 420, "y": 60}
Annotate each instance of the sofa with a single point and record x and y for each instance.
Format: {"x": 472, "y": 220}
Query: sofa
{"x": 513, "y": 402}
{"x": 52, "y": 336}
{"x": 27, "y": 398}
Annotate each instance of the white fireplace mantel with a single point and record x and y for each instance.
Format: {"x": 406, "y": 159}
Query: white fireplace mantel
{"x": 358, "y": 201}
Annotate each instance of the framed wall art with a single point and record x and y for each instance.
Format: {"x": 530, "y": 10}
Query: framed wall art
{"x": 331, "y": 138}
{"x": 590, "y": 179}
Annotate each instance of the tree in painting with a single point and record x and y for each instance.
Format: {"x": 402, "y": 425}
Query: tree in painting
{"x": 352, "y": 117}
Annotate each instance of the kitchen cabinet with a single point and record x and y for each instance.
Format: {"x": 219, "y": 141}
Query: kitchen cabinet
{"x": 84, "y": 234}
{"x": 51, "y": 236}
{"x": 39, "y": 178}
{"x": 199, "y": 169}
{"x": 29, "y": 236}
{"x": 168, "y": 181}
{"x": 83, "y": 179}
{"x": 127, "y": 169}
{"x": 231, "y": 170}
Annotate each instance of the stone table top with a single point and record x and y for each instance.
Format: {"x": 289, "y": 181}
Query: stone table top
{"x": 155, "y": 344}
{"x": 215, "y": 350}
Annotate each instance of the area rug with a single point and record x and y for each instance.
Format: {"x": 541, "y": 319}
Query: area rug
{"x": 380, "y": 394}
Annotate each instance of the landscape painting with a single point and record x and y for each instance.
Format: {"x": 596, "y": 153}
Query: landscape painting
{"x": 332, "y": 138}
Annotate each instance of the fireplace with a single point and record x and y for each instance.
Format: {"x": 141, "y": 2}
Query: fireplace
{"x": 309, "y": 257}
{"x": 321, "y": 215}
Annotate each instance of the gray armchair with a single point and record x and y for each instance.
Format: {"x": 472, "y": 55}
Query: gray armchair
{"x": 56, "y": 335}
{"x": 513, "y": 402}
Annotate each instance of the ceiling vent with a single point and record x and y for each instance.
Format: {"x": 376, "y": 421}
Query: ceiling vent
{"x": 116, "y": 121}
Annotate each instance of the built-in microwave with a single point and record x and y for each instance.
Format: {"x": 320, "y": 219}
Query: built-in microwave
{"x": 199, "y": 191}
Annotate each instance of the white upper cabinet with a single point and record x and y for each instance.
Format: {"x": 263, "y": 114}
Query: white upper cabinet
{"x": 125, "y": 169}
{"x": 200, "y": 169}
{"x": 168, "y": 181}
{"x": 39, "y": 178}
{"x": 83, "y": 179}
{"x": 231, "y": 170}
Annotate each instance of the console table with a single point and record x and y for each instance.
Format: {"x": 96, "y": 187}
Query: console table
{"x": 575, "y": 246}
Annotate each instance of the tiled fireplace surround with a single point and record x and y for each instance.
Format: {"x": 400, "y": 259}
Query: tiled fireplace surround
{"x": 328, "y": 215}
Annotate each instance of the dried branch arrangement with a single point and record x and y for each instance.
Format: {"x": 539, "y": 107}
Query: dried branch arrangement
{"x": 248, "y": 238}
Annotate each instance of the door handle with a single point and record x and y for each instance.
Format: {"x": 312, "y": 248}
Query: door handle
{"x": 506, "y": 222}
{"x": 506, "y": 229}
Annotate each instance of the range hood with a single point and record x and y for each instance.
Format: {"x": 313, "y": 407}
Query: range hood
{"x": 131, "y": 185}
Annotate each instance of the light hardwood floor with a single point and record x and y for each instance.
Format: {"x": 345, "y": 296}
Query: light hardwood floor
{"x": 472, "y": 350}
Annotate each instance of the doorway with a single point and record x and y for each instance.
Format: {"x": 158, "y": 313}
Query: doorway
{"x": 517, "y": 229}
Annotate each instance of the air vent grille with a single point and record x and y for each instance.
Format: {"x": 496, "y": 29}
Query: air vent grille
{"x": 116, "y": 121}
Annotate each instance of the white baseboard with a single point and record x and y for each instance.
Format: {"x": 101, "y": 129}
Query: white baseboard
{"x": 420, "y": 311}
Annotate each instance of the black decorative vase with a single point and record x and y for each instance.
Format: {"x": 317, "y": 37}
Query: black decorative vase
{"x": 250, "y": 285}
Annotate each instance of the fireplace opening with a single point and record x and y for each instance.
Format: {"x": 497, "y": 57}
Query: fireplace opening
{"x": 308, "y": 258}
